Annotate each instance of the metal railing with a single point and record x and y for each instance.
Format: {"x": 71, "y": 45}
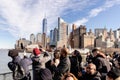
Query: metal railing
{"x": 8, "y": 75}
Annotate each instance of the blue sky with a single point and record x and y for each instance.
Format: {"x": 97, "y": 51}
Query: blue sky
{"x": 20, "y": 18}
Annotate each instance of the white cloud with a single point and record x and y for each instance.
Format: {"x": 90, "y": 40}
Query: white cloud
{"x": 24, "y": 17}
{"x": 108, "y": 4}
{"x": 94, "y": 12}
{"x": 81, "y": 22}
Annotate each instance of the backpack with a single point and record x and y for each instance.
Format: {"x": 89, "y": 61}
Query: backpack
{"x": 18, "y": 71}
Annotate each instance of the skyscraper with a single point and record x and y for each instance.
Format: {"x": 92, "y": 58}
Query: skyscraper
{"x": 62, "y": 33}
{"x": 55, "y": 35}
{"x": 32, "y": 38}
{"x": 45, "y": 25}
{"x": 51, "y": 36}
{"x": 39, "y": 37}
{"x": 62, "y": 29}
{"x": 117, "y": 33}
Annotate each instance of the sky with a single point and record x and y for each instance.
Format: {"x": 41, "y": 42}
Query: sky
{"x": 20, "y": 18}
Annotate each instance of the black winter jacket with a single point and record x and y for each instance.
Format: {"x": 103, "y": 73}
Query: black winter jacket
{"x": 95, "y": 76}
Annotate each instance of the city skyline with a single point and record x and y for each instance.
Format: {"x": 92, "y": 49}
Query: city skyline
{"x": 20, "y": 18}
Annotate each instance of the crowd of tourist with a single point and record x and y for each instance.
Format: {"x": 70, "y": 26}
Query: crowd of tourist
{"x": 67, "y": 66}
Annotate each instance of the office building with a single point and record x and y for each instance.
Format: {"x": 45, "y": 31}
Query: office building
{"x": 39, "y": 38}
{"x": 55, "y": 35}
{"x": 32, "y": 38}
{"x": 45, "y": 25}
{"x": 62, "y": 33}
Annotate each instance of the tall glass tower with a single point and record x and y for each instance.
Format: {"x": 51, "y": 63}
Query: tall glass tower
{"x": 45, "y": 25}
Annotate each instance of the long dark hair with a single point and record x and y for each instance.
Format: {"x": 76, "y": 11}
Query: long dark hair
{"x": 57, "y": 54}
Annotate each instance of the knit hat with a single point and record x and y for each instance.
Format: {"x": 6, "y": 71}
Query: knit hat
{"x": 13, "y": 53}
{"x": 36, "y": 51}
{"x": 114, "y": 73}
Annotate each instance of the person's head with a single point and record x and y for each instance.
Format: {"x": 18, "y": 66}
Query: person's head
{"x": 69, "y": 76}
{"x": 113, "y": 74}
{"x": 76, "y": 53}
{"x": 36, "y": 51}
{"x": 91, "y": 69}
{"x": 13, "y": 53}
{"x": 97, "y": 52}
{"x": 57, "y": 54}
{"x": 64, "y": 52}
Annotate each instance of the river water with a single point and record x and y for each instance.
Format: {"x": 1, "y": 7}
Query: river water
{"x": 4, "y": 70}
{"x": 4, "y": 59}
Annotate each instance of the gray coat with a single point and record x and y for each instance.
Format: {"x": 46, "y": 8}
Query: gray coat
{"x": 62, "y": 68}
{"x": 39, "y": 65}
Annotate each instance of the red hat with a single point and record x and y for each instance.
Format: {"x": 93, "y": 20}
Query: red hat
{"x": 36, "y": 51}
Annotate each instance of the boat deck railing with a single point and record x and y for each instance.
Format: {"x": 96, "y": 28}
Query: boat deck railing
{"x": 8, "y": 75}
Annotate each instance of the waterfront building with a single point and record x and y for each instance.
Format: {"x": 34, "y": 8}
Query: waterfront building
{"x": 21, "y": 43}
{"x": 100, "y": 41}
{"x": 61, "y": 22}
{"x": 79, "y": 38}
{"x": 78, "y": 34}
{"x": 117, "y": 44}
{"x": 32, "y": 38}
{"x": 105, "y": 42}
{"x": 71, "y": 38}
{"x": 55, "y": 35}
{"x": 109, "y": 43}
{"x": 88, "y": 40}
{"x": 117, "y": 38}
{"x": 99, "y": 31}
{"x": 117, "y": 34}
{"x": 51, "y": 36}
{"x": 45, "y": 25}
{"x": 62, "y": 33}
{"x": 44, "y": 40}
{"x": 39, "y": 39}
{"x": 111, "y": 35}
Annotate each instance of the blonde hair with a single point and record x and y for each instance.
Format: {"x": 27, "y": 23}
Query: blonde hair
{"x": 118, "y": 78}
{"x": 69, "y": 75}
